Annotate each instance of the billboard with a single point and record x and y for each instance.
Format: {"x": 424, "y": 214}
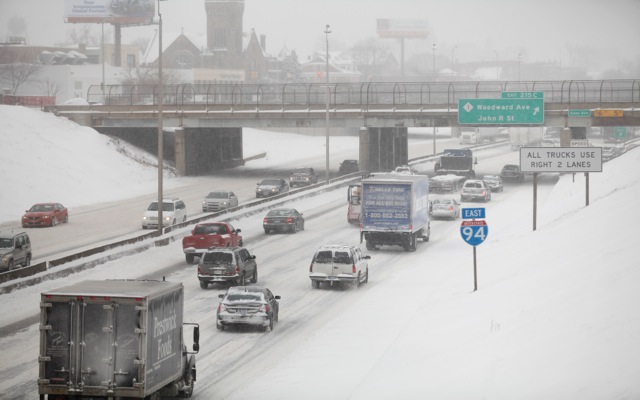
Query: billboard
{"x": 110, "y": 11}
{"x": 402, "y": 28}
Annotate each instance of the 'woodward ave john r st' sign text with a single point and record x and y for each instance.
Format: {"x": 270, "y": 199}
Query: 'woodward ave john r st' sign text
{"x": 561, "y": 159}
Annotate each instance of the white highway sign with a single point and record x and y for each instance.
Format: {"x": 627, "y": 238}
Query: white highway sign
{"x": 561, "y": 159}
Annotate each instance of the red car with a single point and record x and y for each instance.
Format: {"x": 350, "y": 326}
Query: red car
{"x": 207, "y": 235}
{"x": 45, "y": 214}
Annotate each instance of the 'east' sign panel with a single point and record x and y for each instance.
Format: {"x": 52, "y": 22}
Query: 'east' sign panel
{"x": 561, "y": 159}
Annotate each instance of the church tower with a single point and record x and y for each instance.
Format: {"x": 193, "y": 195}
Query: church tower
{"x": 224, "y": 33}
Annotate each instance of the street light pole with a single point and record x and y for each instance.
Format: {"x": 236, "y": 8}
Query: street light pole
{"x": 327, "y": 31}
{"x": 160, "y": 128}
{"x": 452, "y": 50}
{"x": 519, "y": 60}
{"x": 497, "y": 65}
{"x": 434, "y": 48}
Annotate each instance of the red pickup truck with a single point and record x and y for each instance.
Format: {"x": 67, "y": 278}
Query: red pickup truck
{"x": 207, "y": 235}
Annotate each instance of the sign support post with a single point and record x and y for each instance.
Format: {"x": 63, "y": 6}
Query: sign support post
{"x": 474, "y": 232}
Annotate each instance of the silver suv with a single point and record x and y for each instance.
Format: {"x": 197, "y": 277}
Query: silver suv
{"x": 173, "y": 211}
{"x": 15, "y": 249}
{"x": 339, "y": 264}
{"x": 232, "y": 265}
{"x": 475, "y": 189}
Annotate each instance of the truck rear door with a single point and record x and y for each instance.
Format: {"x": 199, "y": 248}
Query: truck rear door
{"x": 91, "y": 346}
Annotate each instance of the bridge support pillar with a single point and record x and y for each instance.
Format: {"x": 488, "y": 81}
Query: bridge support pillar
{"x": 383, "y": 149}
{"x": 208, "y": 150}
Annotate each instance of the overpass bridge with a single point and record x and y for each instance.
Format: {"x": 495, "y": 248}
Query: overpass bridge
{"x": 208, "y": 119}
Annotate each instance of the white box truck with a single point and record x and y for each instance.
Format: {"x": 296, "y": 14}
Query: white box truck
{"x": 395, "y": 210}
{"x": 115, "y": 339}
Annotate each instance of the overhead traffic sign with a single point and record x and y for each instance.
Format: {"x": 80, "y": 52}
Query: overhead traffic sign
{"x": 620, "y": 132}
{"x": 561, "y": 159}
{"x": 501, "y": 111}
{"x": 474, "y": 232}
{"x": 522, "y": 95}
{"x": 608, "y": 113}
{"x": 579, "y": 113}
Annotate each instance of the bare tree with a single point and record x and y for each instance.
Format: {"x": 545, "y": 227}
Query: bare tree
{"x": 50, "y": 87}
{"x": 16, "y": 74}
{"x": 369, "y": 55}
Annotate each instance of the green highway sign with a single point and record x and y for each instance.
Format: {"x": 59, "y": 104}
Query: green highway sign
{"x": 579, "y": 113}
{"x": 501, "y": 111}
{"x": 522, "y": 95}
{"x": 620, "y": 132}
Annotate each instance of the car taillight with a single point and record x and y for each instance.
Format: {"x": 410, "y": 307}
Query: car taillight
{"x": 311, "y": 267}
{"x": 199, "y": 270}
{"x": 219, "y": 308}
{"x": 353, "y": 268}
{"x": 238, "y": 268}
{"x": 264, "y": 221}
{"x": 289, "y": 220}
{"x": 264, "y": 308}
{"x": 450, "y": 208}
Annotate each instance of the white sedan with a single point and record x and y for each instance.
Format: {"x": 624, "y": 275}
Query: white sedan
{"x": 446, "y": 207}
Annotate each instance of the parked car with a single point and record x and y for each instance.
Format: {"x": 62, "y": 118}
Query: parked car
{"x": 339, "y": 264}
{"x": 303, "y": 177}
{"x": 475, "y": 189}
{"x": 494, "y": 182}
{"x": 283, "y": 220}
{"x": 271, "y": 187}
{"x": 219, "y": 200}
{"x": 173, "y": 211}
{"x": 229, "y": 265}
{"x": 248, "y": 305}
{"x": 207, "y": 235}
{"x": 15, "y": 249}
{"x": 512, "y": 173}
{"x": 45, "y": 214}
{"x": 348, "y": 166}
{"x": 446, "y": 207}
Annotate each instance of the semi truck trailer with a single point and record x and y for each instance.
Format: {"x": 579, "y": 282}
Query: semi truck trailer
{"x": 115, "y": 339}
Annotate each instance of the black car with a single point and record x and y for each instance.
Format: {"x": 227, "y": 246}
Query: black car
{"x": 512, "y": 173}
{"x": 248, "y": 305}
{"x": 303, "y": 177}
{"x": 283, "y": 220}
{"x": 271, "y": 187}
{"x": 349, "y": 166}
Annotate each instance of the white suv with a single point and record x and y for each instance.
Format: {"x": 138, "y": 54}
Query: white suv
{"x": 339, "y": 264}
{"x": 173, "y": 211}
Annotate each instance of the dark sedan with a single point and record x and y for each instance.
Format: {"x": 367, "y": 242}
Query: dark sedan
{"x": 248, "y": 305}
{"x": 271, "y": 187}
{"x": 283, "y": 220}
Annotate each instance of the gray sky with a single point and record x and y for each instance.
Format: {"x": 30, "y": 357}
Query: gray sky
{"x": 542, "y": 30}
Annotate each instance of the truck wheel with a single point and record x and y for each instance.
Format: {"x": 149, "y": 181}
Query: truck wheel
{"x": 27, "y": 261}
{"x": 242, "y": 281}
{"x": 203, "y": 284}
{"x": 315, "y": 284}
{"x": 190, "y": 258}
{"x": 219, "y": 326}
{"x": 254, "y": 277}
{"x": 366, "y": 277}
{"x": 371, "y": 246}
{"x": 358, "y": 281}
